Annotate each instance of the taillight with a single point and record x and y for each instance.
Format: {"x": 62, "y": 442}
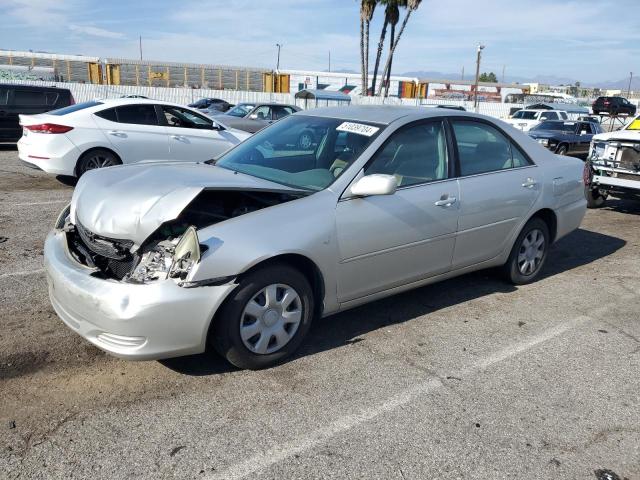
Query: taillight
{"x": 48, "y": 128}
{"x": 73, "y": 101}
{"x": 586, "y": 174}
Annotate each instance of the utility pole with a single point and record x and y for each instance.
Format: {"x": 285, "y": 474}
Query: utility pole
{"x": 475, "y": 93}
{"x": 278, "y": 61}
{"x": 503, "y": 67}
{"x": 329, "y": 60}
{"x": 629, "y": 89}
{"x": 462, "y": 77}
{"x": 140, "y": 45}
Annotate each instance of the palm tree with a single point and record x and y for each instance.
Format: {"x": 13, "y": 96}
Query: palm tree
{"x": 394, "y": 18}
{"x": 412, "y": 5}
{"x": 367, "y": 7}
{"x": 390, "y": 4}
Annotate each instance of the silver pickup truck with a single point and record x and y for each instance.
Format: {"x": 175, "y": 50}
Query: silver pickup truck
{"x": 613, "y": 164}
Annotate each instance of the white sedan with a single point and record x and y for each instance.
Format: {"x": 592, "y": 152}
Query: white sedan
{"x": 102, "y": 133}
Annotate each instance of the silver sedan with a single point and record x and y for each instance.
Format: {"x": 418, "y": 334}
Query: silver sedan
{"x": 243, "y": 252}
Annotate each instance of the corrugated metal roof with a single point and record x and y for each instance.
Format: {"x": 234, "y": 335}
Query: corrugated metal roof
{"x": 323, "y": 95}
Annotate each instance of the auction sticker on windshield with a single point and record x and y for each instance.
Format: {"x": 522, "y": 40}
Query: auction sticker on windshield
{"x": 359, "y": 128}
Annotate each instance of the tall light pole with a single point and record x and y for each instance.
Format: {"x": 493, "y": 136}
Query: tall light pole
{"x": 278, "y": 61}
{"x": 629, "y": 89}
{"x": 475, "y": 93}
{"x": 140, "y": 45}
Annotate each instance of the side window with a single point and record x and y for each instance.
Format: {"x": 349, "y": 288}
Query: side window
{"x": 137, "y": 114}
{"x": 263, "y": 112}
{"x": 281, "y": 112}
{"x": 482, "y": 148}
{"x": 549, "y": 116}
{"x": 180, "y": 117}
{"x": 108, "y": 114}
{"x": 29, "y": 98}
{"x": 563, "y": 115}
{"x": 414, "y": 154}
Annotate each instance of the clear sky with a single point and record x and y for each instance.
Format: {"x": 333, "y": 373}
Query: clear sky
{"x": 587, "y": 40}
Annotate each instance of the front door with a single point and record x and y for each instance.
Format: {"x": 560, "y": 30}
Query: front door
{"x": 390, "y": 240}
{"x": 193, "y": 137}
{"x": 498, "y": 187}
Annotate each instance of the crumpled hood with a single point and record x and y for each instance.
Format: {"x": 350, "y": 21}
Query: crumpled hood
{"x": 631, "y": 135}
{"x": 131, "y": 202}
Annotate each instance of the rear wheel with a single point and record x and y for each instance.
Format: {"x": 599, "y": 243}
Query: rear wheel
{"x": 529, "y": 253}
{"x": 98, "y": 158}
{"x": 265, "y": 319}
{"x": 595, "y": 198}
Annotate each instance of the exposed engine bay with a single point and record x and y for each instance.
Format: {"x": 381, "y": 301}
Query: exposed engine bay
{"x": 173, "y": 248}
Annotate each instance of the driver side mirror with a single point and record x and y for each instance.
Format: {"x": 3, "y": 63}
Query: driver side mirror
{"x": 374, "y": 184}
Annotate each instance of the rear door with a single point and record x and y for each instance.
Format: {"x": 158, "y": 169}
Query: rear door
{"x": 498, "y": 187}
{"x": 135, "y": 132}
{"x": 193, "y": 137}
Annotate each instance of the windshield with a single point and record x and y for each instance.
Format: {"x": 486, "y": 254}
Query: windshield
{"x": 556, "y": 126}
{"x": 240, "y": 110}
{"x": 301, "y": 151}
{"x": 524, "y": 115}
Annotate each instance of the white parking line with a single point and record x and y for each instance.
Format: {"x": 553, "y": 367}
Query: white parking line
{"x": 23, "y": 273}
{"x": 299, "y": 445}
{"x": 51, "y": 202}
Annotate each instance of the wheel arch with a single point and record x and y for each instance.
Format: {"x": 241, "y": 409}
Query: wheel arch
{"x": 306, "y": 266}
{"x": 93, "y": 149}
{"x": 549, "y": 217}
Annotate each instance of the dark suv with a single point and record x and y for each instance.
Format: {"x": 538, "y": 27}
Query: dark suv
{"x": 211, "y": 103}
{"x": 613, "y": 106}
{"x": 25, "y": 99}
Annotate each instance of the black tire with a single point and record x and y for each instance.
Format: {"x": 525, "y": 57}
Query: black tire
{"x": 225, "y": 334}
{"x": 595, "y": 198}
{"x": 562, "y": 150}
{"x": 96, "y": 158}
{"x": 512, "y": 269}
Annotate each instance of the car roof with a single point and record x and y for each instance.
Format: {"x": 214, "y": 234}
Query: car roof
{"x": 383, "y": 114}
{"x": 114, "y": 102}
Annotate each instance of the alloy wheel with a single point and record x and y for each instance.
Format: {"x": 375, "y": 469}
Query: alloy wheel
{"x": 270, "y": 319}
{"x": 99, "y": 161}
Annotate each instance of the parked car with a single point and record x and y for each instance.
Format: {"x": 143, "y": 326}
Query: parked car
{"x": 211, "y": 103}
{"x": 450, "y": 107}
{"x": 613, "y": 165}
{"x": 243, "y": 252}
{"x": 261, "y": 115}
{"x": 526, "y": 119}
{"x": 613, "y": 106}
{"x": 565, "y": 137}
{"x": 104, "y": 133}
{"x": 25, "y": 99}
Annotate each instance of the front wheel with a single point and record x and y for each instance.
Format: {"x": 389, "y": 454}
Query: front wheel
{"x": 528, "y": 254}
{"x": 595, "y": 198}
{"x": 265, "y": 319}
{"x": 562, "y": 150}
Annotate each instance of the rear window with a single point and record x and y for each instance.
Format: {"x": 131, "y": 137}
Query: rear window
{"x": 108, "y": 114}
{"x": 74, "y": 108}
{"x": 4, "y": 96}
{"x": 29, "y": 98}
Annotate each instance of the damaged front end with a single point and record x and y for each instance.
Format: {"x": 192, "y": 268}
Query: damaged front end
{"x": 615, "y": 165}
{"x": 173, "y": 249}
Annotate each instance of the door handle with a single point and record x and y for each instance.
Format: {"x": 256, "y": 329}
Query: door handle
{"x": 117, "y": 133}
{"x": 446, "y": 202}
{"x": 177, "y": 137}
{"x": 529, "y": 183}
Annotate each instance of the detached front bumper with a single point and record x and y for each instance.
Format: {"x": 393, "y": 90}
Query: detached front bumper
{"x": 137, "y": 322}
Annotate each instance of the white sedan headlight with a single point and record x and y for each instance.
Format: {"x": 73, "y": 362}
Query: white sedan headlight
{"x": 168, "y": 259}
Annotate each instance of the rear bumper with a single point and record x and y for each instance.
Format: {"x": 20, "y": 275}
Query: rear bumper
{"x": 616, "y": 182}
{"x": 58, "y": 157}
{"x": 569, "y": 217}
{"x": 137, "y": 322}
